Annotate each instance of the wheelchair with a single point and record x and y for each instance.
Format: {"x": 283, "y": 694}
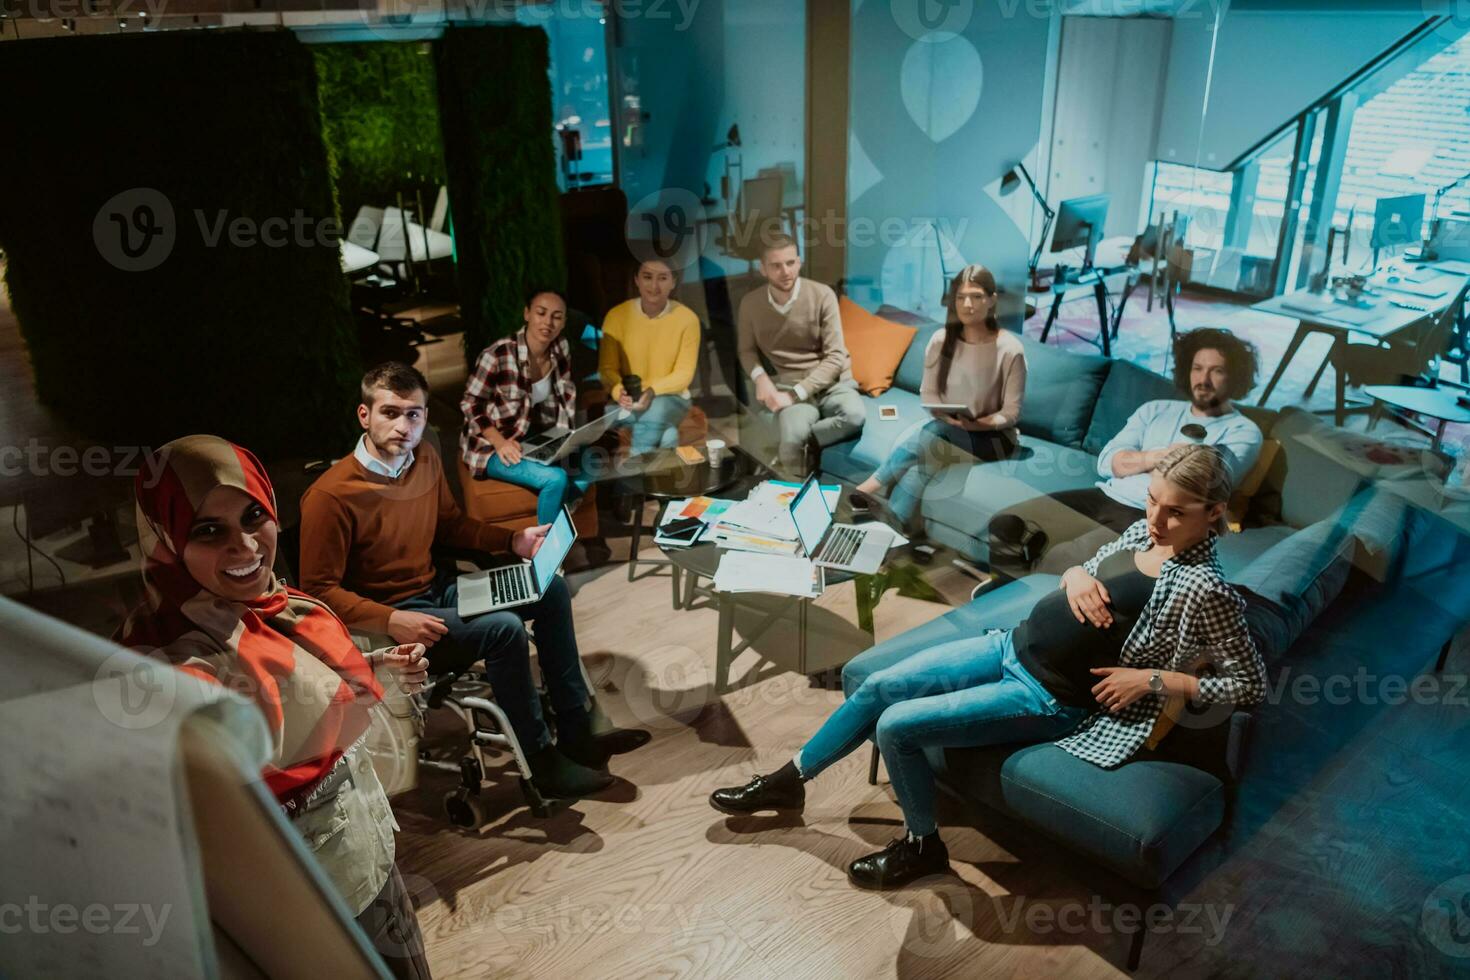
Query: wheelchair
{"x": 394, "y": 742}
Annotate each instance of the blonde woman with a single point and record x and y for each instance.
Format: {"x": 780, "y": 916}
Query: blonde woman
{"x": 1090, "y": 668}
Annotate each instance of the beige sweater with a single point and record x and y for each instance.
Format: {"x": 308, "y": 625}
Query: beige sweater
{"x": 803, "y": 347}
{"x": 989, "y": 377}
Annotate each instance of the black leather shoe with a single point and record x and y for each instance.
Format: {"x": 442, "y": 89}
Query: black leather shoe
{"x": 759, "y": 794}
{"x": 903, "y": 861}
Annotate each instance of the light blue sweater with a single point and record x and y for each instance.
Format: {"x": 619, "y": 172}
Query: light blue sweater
{"x": 1156, "y": 425}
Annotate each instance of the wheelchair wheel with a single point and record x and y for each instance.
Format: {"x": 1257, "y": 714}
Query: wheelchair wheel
{"x": 464, "y": 808}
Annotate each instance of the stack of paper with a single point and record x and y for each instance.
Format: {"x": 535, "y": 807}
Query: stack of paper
{"x": 737, "y": 540}
{"x": 744, "y": 571}
{"x": 707, "y": 509}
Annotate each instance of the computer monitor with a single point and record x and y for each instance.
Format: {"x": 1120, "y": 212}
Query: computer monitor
{"x": 1080, "y": 224}
{"x": 1397, "y": 221}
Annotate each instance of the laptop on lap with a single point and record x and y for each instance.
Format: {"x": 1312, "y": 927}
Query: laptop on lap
{"x": 561, "y": 446}
{"x": 515, "y": 585}
{"x": 845, "y": 547}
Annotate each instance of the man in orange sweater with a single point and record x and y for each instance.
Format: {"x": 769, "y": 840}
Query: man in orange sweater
{"x": 367, "y": 526}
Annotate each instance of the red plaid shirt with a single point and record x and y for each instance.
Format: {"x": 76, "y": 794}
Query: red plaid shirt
{"x": 498, "y": 396}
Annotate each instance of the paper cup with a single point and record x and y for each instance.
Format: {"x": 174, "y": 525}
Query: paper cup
{"x": 715, "y": 449}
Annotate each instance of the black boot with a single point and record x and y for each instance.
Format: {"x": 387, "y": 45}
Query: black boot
{"x": 554, "y": 775}
{"x": 594, "y": 751}
{"x": 782, "y": 790}
{"x": 902, "y": 861}
{"x": 575, "y": 740}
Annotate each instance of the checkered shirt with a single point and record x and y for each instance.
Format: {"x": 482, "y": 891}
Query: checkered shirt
{"x": 498, "y": 396}
{"x": 1193, "y": 615}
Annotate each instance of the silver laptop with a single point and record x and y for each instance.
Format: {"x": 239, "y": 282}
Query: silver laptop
{"x": 559, "y": 447}
{"x": 516, "y": 585}
{"x": 840, "y": 546}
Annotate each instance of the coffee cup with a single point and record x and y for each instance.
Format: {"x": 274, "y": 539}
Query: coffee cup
{"x": 715, "y": 450}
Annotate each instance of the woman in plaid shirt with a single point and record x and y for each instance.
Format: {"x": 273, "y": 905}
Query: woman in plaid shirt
{"x": 523, "y": 385}
{"x": 1090, "y": 667}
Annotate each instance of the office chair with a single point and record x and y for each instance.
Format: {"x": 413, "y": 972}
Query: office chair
{"x": 1163, "y": 244}
{"x": 758, "y": 215}
{"x": 1409, "y": 356}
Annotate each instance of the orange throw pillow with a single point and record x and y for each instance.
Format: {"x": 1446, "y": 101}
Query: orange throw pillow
{"x": 876, "y": 345}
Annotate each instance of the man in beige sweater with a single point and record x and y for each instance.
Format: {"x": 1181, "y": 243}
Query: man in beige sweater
{"x": 790, "y": 343}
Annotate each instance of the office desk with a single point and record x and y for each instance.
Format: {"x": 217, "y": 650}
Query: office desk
{"x": 1097, "y": 278}
{"x": 1376, "y": 318}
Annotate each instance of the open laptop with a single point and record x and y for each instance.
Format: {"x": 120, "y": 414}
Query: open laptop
{"x": 516, "y": 585}
{"x": 841, "y": 546}
{"x": 558, "y": 446}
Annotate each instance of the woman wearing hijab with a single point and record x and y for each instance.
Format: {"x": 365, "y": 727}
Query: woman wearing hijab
{"x": 215, "y": 609}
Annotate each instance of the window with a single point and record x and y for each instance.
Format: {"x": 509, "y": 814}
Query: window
{"x": 1412, "y": 137}
{"x": 579, "y": 90}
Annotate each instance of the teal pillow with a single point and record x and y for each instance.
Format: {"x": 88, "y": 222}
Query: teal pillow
{"x": 1127, "y": 387}
{"x": 910, "y": 373}
{"x": 1298, "y": 577}
{"x": 1061, "y": 390}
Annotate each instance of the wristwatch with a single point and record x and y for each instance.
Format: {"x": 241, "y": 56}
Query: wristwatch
{"x": 1156, "y": 682}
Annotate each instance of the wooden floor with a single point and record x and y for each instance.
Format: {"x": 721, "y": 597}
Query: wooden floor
{"x": 1352, "y": 819}
{"x": 650, "y": 881}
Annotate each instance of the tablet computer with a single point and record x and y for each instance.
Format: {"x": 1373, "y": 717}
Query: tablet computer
{"x": 952, "y": 408}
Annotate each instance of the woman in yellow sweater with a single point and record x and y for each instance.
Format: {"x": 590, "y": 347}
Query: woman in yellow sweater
{"x": 656, "y": 338}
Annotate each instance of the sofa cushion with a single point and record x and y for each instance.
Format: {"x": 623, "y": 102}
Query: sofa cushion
{"x": 1325, "y": 466}
{"x": 1061, "y": 390}
{"x": 1127, "y": 387}
{"x": 1298, "y": 577}
{"x": 910, "y": 373}
{"x": 963, "y": 499}
{"x": 1237, "y": 550}
{"x": 1141, "y": 819}
{"x": 855, "y": 460}
{"x": 876, "y": 345}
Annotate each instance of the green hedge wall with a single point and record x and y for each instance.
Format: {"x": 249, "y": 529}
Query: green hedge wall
{"x": 252, "y": 341}
{"x": 495, "y": 111}
{"x": 380, "y": 117}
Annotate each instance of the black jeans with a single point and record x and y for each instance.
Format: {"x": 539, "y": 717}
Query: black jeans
{"x": 1020, "y": 544}
{"x": 392, "y": 929}
{"x": 500, "y": 639}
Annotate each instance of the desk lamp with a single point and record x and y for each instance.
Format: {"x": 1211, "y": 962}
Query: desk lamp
{"x": 1008, "y": 185}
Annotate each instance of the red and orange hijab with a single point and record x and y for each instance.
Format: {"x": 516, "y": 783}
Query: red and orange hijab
{"x": 283, "y": 650}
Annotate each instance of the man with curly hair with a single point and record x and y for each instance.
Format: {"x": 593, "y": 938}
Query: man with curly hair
{"x": 1213, "y": 368}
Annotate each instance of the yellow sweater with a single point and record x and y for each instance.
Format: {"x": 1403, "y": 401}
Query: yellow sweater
{"x": 661, "y": 351}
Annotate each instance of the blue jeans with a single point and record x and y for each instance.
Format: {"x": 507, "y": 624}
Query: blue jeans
{"x": 657, "y": 427}
{"x": 927, "y": 450}
{"x": 965, "y": 692}
{"x": 501, "y": 640}
{"x": 554, "y": 486}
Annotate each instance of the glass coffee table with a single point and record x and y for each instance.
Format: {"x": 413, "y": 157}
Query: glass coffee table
{"x": 700, "y": 562}
{"x": 664, "y": 476}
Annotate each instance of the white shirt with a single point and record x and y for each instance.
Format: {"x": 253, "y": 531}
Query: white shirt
{"x": 373, "y": 464}
{"x": 541, "y": 390}
{"x": 784, "y": 308}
